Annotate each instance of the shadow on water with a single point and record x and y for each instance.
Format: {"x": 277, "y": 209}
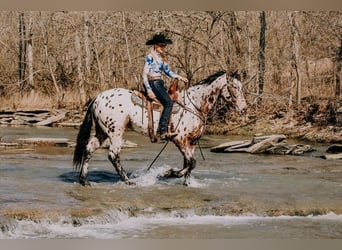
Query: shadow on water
{"x": 93, "y": 176}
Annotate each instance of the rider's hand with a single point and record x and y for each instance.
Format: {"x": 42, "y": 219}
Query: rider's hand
{"x": 184, "y": 79}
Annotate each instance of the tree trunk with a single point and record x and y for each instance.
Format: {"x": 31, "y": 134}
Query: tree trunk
{"x": 51, "y": 71}
{"x": 79, "y": 68}
{"x": 22, "y": 52}
{"x": 261, "y": 55}
{"x": 296, "y": 55}
{"x": 338, "y": 73}
{"x": 249, "y": 46}
{"x": 46, "y": 51}
{"x": 234, "y": 34}
{"x": 30, "y": 53}
{"x": 87, "y": 44}
{"x": 99, "y": 66}
{"x": 126, "y": 39}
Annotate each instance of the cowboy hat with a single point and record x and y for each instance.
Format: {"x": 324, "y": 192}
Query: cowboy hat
{"x": 158, "y": 38}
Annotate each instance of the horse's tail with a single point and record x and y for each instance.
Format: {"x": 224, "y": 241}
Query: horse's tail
{"x": 83, "y": 138}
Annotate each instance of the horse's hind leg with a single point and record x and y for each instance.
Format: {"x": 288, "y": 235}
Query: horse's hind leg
{"x": 93, "y": 144}
{"x": 114, "y": 157}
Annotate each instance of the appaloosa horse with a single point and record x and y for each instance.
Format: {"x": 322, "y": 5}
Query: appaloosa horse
{"x": 112, "y": 110}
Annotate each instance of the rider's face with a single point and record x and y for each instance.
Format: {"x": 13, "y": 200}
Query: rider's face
{"x": 160, "y": 47}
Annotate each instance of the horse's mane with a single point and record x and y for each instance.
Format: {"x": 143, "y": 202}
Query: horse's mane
{"x": 211, "y": 78}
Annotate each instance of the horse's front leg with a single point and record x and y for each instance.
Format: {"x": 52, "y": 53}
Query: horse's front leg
{"x": 187, "y": 149}
{"x": 190, "y": 165}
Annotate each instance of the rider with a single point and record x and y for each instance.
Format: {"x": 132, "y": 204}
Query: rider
{"x": 155, "y": 64}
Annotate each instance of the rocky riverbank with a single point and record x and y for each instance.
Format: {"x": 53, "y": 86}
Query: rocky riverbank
{"x": 316, "y": 124}
{"x": 41, "y": 117}
{"x": 321, "y": 125}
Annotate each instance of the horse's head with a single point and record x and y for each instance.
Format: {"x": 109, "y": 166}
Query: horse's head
{"x": 232, "y": 93}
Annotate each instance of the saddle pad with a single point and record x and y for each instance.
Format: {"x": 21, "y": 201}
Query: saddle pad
{"x": 138, "y": 97}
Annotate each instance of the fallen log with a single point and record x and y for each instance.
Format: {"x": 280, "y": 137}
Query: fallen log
{"x": 285, "y": 149}
{"x": 61, "y": 142}
{"x": 332, "y": 156}
{"x": 9, "y": 144}
{"x": 260, "y": 138}
{"x": 271, "y": 144}
{"x": 256, "y": 145}
{"x": 265, "y": 143}
{"x": 236, "y": 144}
{"x": 69, "y": 124}
{"x": 231, "y": 150}
{"x": 51, "y": 119}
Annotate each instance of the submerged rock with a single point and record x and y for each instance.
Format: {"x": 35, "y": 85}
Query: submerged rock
{"x": 335, "y": 148}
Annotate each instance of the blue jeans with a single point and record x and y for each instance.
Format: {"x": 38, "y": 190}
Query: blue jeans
{"x": 160, "y": 92}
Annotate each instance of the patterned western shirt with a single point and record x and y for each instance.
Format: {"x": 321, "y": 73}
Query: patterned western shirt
{"x": 154, "y": 66}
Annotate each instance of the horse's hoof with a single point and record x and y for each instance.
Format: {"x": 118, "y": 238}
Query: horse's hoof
{"x": 130, "y": 183}
{"x": 186, "y": 183}
{"x": 171, "y": 173}
{"x": 168, "y": 173}
{"x": 85, "y": 183}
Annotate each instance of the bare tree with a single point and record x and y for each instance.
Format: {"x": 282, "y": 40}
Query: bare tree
{"x": 261, "y": 55}
{"x": 296, "y": 56}
{"x": 338, "y": 72}
{"x": 22, "y": 51}
{"x": 44, "y": 33}
{"x": 86, "y": 36}
{"x": 79, "y": 68}
{"x": 30, "y": 52}
{"x": 86, "y": 52}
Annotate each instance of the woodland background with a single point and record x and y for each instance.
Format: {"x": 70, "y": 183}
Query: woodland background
{"x": 287, "y": 60}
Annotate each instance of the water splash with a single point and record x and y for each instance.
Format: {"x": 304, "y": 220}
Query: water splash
{"x": 155, "y": 175}
{"x": 144, "y": 178}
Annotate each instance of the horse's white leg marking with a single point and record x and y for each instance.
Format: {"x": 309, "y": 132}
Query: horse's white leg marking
{"x": 189, "y": 163}
{"x": 92, "y": 145}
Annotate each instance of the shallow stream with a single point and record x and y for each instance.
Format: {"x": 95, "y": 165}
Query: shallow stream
{"x": 235, "y": 195}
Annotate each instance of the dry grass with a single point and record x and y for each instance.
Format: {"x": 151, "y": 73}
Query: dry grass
{"x": 26, "y": 101}
{"x": 34, "y": 100}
